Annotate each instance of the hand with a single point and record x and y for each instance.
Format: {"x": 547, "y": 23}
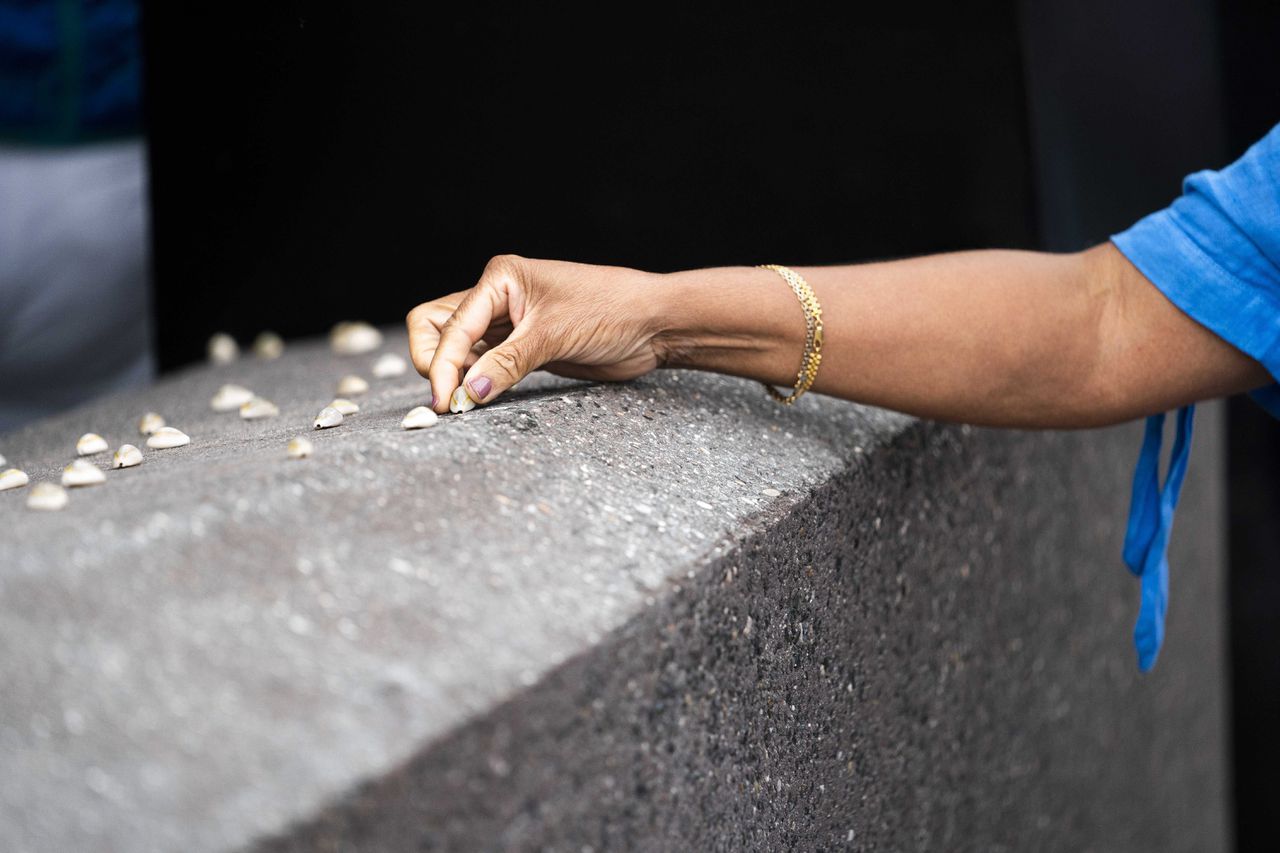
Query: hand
{"x": 576, "y": 320}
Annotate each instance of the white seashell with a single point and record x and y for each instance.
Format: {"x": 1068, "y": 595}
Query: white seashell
{"x": 223, "y": 349}
{"x": 230, "y": 397}
{"x": 91, "y": 443}
{"x": 47, "y": 496}
{"x": 350, "y": 386}
{"x": 328, "y": 417}
{"x": 299, "y": 448}
{"x": 354, "y": 338}
{"x": 2, "y": 460}
{"x": 419, "y": 418}
{"x": 461, "y": 401}
{"x": 166, "y": 437}
{"x": 268, "y": 346}
{"x": 149, "y": 423}
{"x": 82, "y": 472}
{"x": 345, "y": 406}
{"x": 126, "y": 457}
{"x": 259, "y": 407}
{"x": 13, "y": 479}
{"x": 388, "y": 365}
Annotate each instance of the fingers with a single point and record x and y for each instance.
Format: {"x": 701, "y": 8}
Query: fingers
{"x": 504, "y": 365}
{"x": 465, "y": 328}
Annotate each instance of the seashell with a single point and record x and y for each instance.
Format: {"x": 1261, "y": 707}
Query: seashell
{"x": 350, "y": 386}
{"x": 13, "y": 479}
{"x": 268, "y": 346}
{"x": 2, "y": 460}
{"x": 345, "y": 406}
{"x": 91, "y": 443}
{"x": 166, "y": 437}
{"x": 82, "y": 472}
{"x": 388, "y": 365}
{"x": 354, "y": 338}
{"x": 230, "y": 397}
{"x": 149, "y": 423}
{"x": 461, "y": 401}
{"x": 223, "y": 349}
{"x": 328, "y": 417}
{"x": 419, "y": 418}
{"x": 299, "y": 448}
{"x": 259, "y": 407}
{"x": 47, "y": 496}
{"x": 126, "y": 457}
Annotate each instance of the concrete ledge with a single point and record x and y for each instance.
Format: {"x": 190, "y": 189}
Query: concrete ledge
{"x": 575, "y": 619}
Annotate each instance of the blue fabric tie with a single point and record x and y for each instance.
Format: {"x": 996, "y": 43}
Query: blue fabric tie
{"x": 1150, "y": 522}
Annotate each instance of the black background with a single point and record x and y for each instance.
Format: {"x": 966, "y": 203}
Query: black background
{"x": 313, "y": 162}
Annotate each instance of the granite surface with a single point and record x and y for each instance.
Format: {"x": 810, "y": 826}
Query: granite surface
{"x": 663, "y": 615}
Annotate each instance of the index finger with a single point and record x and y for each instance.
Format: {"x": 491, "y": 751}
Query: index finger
{"x": 459, "y": 333}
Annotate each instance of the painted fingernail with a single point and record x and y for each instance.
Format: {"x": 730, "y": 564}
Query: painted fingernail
{"x": 432, "y": 404}
{"x": 479, "y": 387}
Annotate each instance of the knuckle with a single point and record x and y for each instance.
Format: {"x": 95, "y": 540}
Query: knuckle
{"x": 508, "y": 359}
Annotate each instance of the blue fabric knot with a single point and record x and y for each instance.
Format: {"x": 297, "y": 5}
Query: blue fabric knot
{"x": 1150, "y": 522}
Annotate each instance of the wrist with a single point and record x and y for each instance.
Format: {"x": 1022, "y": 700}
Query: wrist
{"x": 742, "y": 321}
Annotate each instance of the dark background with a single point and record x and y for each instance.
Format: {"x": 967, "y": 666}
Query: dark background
{"x": 314, "y": 162}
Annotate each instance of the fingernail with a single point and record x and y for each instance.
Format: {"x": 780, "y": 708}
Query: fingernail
{"x": 479, "y": 387}
{"x": 432, "y": 404}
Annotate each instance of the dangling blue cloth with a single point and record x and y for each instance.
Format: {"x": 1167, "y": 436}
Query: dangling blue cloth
{"x": 1146, "y": 541}
{"x": 1215, "y": 253}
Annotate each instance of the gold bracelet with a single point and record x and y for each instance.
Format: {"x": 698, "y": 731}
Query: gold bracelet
{"x": 812, "y": 337}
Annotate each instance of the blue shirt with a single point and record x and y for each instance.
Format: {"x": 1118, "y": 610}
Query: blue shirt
{"x": 1215, "y": 253}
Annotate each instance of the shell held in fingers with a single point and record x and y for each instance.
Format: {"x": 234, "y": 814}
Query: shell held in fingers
{"x": 268, "y": 346}
{"x": 47, "y": 496}
{"x": 149, "y": 423}
{"x": 354, "y": 338}
{"x": 259, "y": 407}
{"x": 328, "y": 417}
{"x": 389, "y": 365}
{"x": 167, "y": 437}
{"x": 91, "y": 443}
{"x": 230, "y": 397}
{"x": 126, "y": 457}
{"x": 461, "y": 401}
{"x": 299, "y": 448}
{"x": 347, "y": 407}
{"x": 82, "y": 472}
{"x": 223, "y": 349}
{"x": 419, "y": 418}
{"x": 351, "y": 386}
{"x": 13, "y": 479}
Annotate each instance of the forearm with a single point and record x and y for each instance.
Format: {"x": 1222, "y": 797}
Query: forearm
{"x": 1001, "y": 338}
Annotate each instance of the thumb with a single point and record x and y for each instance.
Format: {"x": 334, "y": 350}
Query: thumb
{"x": 503, "y": 366}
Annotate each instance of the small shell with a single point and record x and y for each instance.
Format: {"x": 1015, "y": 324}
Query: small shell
{"x": 47, "y": 496}
{"x": 268, "y": 346}
{"x": 230, "y": 397}
{"x": 223, "y": 349}
{"x": 351, "y": 386}
{"x": 82, "y": 472}
{"x": 388, "y": 365}
{"x": 259, "y": 407}
{"x": 13, "y": 479}
{"x": 354, "y": 338}
{"x": 91, "y": 443}
{"x": 328, "y": 417}
{"x": 299, "y": 448}
{"x": 149, "y": 423}
{"x": 126, "y": 457}
{"x": 461, "y": 401}
{"x": 419, "y": 418}
{"x": 166, "y": 437}
{"x": 2, "y": 460}
{"x": 347, "y": 407}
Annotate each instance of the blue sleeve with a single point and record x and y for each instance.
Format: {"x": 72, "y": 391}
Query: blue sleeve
{"x": 1215, "y": 253}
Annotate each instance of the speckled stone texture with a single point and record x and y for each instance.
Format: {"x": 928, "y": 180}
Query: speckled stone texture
{"x": 576, "y": 620}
